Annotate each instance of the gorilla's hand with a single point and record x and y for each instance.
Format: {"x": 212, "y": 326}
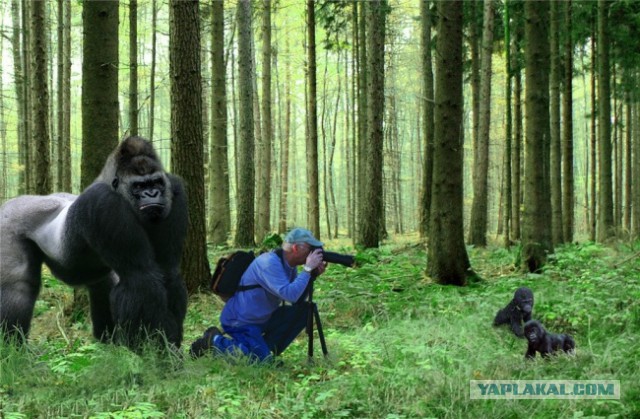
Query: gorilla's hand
{"x": 141, "y": 310}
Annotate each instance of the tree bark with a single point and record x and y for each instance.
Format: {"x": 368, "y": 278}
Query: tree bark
{"x": 99, "y": 86}
{"x": 284, "y": 174}
{"x": 370, "y": 224}
{"x": 19, "y": 83}
{"x": 554, "y": 115}
{"x": 508, "y": 131}
{"x": 427, "y": 118}
{"x": 516, "y": 156}
{"x": 593, "y": 133}
{"x": 152, "y": 76}
{"x": 187, "y": 141}
{"x": 219, "y": 213}
{"x": 605, "y": 229}
{"x": 448, "y": 262}
{"x": 133, "y": 67}
{"x": 567, "y": 131}
{"x": 536, "y": 232}
{"x": 362, "y": 146}
{"x": 478, "y": 223}
{"x": 263, "y": 168}
{"x": 636, "y": 171}
{"x": 313, "y": 191}
{"x": 40, "y": 99}
{"x": 245, "y": 151}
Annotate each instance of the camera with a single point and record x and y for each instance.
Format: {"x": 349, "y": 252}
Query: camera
{"x": 332, "y": 257}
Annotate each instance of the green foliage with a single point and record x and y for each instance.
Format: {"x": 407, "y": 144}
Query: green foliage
{"x": 272, "y": 241}
{"x": 399, "y": 346}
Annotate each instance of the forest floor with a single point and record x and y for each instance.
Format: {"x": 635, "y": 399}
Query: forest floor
{"x": 399, "y": 346}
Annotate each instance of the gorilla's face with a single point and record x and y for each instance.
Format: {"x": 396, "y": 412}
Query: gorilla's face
{"x": 149, "y": 195}
{"x": 534, "y": 331}
{"x": 524, "y": 299}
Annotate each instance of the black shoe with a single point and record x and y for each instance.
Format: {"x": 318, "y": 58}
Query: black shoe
{"x": 204, "y": 344}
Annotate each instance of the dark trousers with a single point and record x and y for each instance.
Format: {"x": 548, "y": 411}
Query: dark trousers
{"x": 267, "y": 339}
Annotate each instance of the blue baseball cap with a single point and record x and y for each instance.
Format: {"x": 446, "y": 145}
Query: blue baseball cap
{"x": 301, "y": 235}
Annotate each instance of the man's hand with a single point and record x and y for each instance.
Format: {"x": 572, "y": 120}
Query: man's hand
{"x": 321, "y": 268}
{"x": 314, "y": 260}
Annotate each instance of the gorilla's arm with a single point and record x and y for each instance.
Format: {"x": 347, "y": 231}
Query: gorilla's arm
{"x": 168, "y": 243}
{"x": 178, "y": 224}
{"x": 531, "y": 351}
{"x": 516, "y": 324}
{"x": 104, "y": 221}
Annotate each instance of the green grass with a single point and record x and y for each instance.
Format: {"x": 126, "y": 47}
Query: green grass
{"x": 399, "y": 346}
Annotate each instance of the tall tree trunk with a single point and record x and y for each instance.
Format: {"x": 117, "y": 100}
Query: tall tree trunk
{"x": 19, "y": 83}
{"x": 3, "y": 128}
{"x": 508, "y": 131}
{"x": 536, "y": 232}
{"x": 27, "y": 151}
{"x": 99, "y": 86}
{"x": 220, "y": 213}
{"x": 152, "y": 76}
{"x": 554, "y": 115}
{"x": 478, "y": 223}
{"x": 361, "y": 151}
{"x": 187, "y": 145}
{"x": 427, "y": 118}
{"x": 605, "y": 228}
{"x": 263, "y": 168}
{"x": 133, "y": 67}
{"x": 352, "y": 146}
{"x": 313, "y": 191}
{"x": 371, "y": 220}
{"x": 284, "y": 174}
{"x": 60, "y": 95}
{"x": 636, "y": 171}
{"x": 617, "y": 152}
{"x": 334, "y": 141}
{"x": 593, "y": 133}
{"x": 245, "y": 151}
{"x": 567, "y": 131}
{"x": 516, "y": 156}
{"x": 323, "y": 134}
{"x": 474, "y": 38}
{"x": 448, "y": 261}
{"x": 628, "y": 167}
{"x": 65, "y": 140}
{"x": 40, "y": 99}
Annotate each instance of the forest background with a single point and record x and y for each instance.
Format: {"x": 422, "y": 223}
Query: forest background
{"x": 503, "y": 135}
{"x": 325, "y": 114}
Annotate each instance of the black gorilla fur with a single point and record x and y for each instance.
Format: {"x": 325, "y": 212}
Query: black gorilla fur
{"x": 121, "y": 238}
{"x": 544, "y": 342}
{"x": 518, "y": 310}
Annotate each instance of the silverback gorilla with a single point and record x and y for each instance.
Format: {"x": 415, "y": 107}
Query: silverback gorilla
{"x": 121, "y": 238}
{"x": 544, "y": 342}
{"x": 518, "y": 309}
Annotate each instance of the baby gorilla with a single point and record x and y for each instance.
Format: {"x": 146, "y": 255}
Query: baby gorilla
{"x": 545, "y": 343}
{"x": 518, "y": 310}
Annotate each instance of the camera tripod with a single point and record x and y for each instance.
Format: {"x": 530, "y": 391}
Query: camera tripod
{"x": 312, "y": 315}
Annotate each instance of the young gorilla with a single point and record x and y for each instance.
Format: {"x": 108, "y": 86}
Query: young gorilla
{"x": 518, "y": 310}
{"x": 121, "y": 238}
{"x": 545, "y": 343}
